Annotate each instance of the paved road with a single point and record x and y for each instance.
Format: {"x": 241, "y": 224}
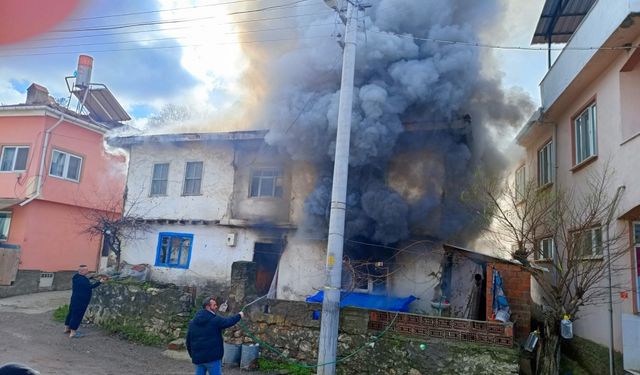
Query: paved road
{"x": 29, "y": 335}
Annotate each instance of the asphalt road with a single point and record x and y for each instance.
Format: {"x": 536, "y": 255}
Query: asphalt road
{"x": 29, "y": 335}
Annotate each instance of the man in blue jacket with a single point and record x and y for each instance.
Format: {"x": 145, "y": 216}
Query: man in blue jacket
{"x": 80, "y": 296}
{"x": 204, "y": 337}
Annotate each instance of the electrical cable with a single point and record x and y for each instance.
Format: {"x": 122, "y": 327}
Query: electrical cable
{"x": 173, "y": 21}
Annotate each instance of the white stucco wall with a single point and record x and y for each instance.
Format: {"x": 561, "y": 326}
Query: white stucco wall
{"x": 600, "y": 23}
{"x": 302, "y": 269}
{"x": 417, "y": 273}
{"x": 216, "y": 188}
{"x": 211, "y": 258}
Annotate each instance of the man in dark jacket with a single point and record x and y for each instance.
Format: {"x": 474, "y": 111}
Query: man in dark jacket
{"x": 80, "y": 296}
{"x": 204, "y": 337}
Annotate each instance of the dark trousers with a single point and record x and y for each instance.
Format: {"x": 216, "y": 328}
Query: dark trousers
{"x": 75, "y": 315}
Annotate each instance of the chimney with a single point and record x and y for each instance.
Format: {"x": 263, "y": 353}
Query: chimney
{"x": 37, "y": 94}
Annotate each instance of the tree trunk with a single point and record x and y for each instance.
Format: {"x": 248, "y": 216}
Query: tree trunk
{"x": 549, "y": 362}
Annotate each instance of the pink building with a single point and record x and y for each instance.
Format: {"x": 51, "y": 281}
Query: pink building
{"x": 589, "y": 119}
{"x": 54, "y": 171}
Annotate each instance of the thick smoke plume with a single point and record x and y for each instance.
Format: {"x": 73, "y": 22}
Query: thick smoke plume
{"x": 425, "y": 114}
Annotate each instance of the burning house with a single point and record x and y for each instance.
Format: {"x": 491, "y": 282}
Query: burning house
{"x": 426, "y": 114}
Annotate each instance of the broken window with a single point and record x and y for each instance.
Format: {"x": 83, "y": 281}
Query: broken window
{"x": 14, "y": 158}
{"x": 192, "y": 178}
{"x": 266, "y": 182}
{"x": 174, "y": 250}
{"x": 65, "y": 165}
{"x": 159, "y": 179}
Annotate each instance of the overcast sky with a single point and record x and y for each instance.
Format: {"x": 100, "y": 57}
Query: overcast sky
{"x": 150, "y": 53}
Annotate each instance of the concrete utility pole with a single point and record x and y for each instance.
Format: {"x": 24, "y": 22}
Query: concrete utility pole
{"x": 331, "y": 302}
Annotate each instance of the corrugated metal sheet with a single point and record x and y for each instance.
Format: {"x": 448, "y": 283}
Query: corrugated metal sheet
{"x": 560, "y": 19}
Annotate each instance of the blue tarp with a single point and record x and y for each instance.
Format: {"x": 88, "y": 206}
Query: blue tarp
{"x": 369, "y": 301}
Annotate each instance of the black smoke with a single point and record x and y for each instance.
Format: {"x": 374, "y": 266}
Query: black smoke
{"x": 424, "y": 116}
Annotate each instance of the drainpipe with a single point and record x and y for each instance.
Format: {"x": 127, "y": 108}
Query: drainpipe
{"x": 45, "y": 143}
{"x": 614, "y": 204}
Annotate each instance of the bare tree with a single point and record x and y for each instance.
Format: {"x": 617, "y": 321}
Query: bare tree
{"x": 115, "y": 228}
{"x": 571, "y": 229}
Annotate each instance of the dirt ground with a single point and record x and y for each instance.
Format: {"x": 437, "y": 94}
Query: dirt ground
{"x": 29, "y": 335}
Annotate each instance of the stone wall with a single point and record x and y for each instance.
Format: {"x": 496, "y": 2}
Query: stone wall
{"x": 161, "y": 311}
{"x": 290, "y": 330}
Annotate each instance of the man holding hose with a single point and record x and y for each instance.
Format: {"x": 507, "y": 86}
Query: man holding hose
{"x": 204, "y": 337}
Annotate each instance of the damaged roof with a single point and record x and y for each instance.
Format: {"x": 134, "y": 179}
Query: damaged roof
{"x": 188, "y": 137}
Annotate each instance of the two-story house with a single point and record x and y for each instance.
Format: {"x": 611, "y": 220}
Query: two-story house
{"x": 212, "y": 199}
{"x": 215, "y": 198}
{"x": 590, "y": 118}
{"x": 54, "y": 171}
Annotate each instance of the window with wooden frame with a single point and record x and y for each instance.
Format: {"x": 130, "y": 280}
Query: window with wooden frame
{"x": 159, "y": 179}
{"x": 174, "y": 250}
{"x": 266, "y": 182}
{"x": 192, "y": 178}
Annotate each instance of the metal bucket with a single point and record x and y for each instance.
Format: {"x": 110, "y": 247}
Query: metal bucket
{"x": 249, "y": 358}
{"x": 231, "y": 357}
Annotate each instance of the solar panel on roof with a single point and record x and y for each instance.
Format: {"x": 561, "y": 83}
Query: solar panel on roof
{"x": 102, "y": 105}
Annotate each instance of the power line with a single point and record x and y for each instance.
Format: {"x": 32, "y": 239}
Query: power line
{"x": 495, "y": 46}
{"x": 182, "y": 20}
{"x": 156, "y": 39}
{"x": 158, "y": 10}
{"x": 176, "y": 28}
{"x": 165, "y": 47}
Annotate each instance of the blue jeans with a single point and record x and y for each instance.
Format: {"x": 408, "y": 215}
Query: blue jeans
{"x": 214, "y": 368}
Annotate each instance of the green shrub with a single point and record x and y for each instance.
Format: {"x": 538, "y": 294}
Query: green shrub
{"x": 132, "y": 333}
{"x": 268, "y": 365}
{"x": 60, "y": 314}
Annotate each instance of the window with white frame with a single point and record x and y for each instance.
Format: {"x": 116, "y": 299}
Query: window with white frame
{"x": 159, "y": 179}
{"x": 14, "y": 158}
{"x": 5, "y": 223}
{"x": 174, "y": 249}
{"x": 585, "y": 136}
{"x": 65, "y": 165}
{"x": 520, "y": 182}
{"x": 589, "y": 242}
{"x": 192, "y": 178}
{"x": 266, "y": 182}
{"x": 545, "y": 249}
{"x": 544, "y": 164}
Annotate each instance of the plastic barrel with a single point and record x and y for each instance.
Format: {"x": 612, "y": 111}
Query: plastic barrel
{"x": 231, "y": 355}
{"x": 250, "y": 354}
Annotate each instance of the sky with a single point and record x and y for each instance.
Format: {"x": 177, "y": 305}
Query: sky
{"x": 154, "y": 52}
